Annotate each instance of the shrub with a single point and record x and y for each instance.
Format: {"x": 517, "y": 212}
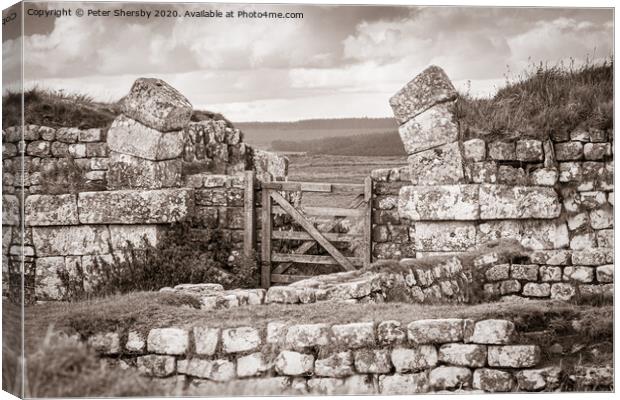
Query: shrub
{"x": 186, "y": 253}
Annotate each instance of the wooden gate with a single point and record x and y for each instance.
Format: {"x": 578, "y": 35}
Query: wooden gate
{"x": 274, "y": 264}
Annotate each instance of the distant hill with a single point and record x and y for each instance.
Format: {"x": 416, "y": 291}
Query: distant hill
{"x": 375, "y": 144}
{"x": 336, "y": 123}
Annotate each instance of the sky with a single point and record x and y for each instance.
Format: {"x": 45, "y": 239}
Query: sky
{"x": 338, "y": 61}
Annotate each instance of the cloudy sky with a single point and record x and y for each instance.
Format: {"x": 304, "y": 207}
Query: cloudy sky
{"x": 338, "y": 61}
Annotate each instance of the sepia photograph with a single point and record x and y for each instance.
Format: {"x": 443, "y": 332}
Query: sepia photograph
{"x": 235, "y": 199}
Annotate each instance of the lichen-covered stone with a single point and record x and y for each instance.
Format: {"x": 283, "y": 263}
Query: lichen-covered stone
{"x": 467, "y": 355}
{"x": 493, "y": 380}
{"x": 594, "y": 257}
{"x": 445, "y": 236}
{"x": 216, "y": 370}
{"x": 543, "y": 234}
{"x": 354, "y": 335}
{"x": 414, "y": 359}
{"x": 562, "y": 291}
{"x": 533, "y": 289}
{"x": 157, "y": 105}
{"x": 437, "y": 166}
{"x": 373, "y": 361}
{"x": 513, "y": 356}
{"x": 70, "y": 240}
{"x": 568, "y": 151}
{"x": 491, "y": 331}
{"x": 206, "y": 340}
{"x": 520, "y": 202}
{"x": 126, "y": 171}
{"x": 403, "y": 384}
{"x": 282, "y": 294}
{"x": 172, "y": 341}
{"x": 544, "y": 177}
{"x": 448, "y": 377}
{"x": 448, "y": 202}
{"x": 605, "y": 273}
{"x": 45, "y": 210}
{"x": 157, "y": 366}
{"x": 551, "y": 257}
{"x": 252, "y": 365}
{"x": 435, "y": 331}
{"x": 499, "y": 150}
{"x": 482, "y": 172}
{"x": 389, "y": 332}
{"x": 326, "y": 386}
{"x": 105, "y": 343}
{"x": 474, "y": 150}
{"x": 135, "y": 342}
{"x": 550, "y": 273}
{"x": 529, "y": 150}
{"x": 293, "y": 363}
{"x": 524, "y": 272}
{"x": 337, "y": 365}
{"x": 602, "y": 218}
{"x": 127, "y": 136}
{"x": 430, "y": 87}
{"x": 10, "y": 210}
{"x": 596, "y": 151}
{"x": 498, "y": 272}
{"x": 135, "y": 207}
{"x": 538, "y": 379}
{"x": 431, "y": 128}
{"x": 236, "y": 340}
{"x": 268, "y": 162}
{"x": 579, "y": 274}
{"x": 302, "y": 336}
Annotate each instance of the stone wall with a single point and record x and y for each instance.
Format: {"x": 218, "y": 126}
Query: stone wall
{"x": 386, "y": 357}
{"x": 87, "y": 193}
{"x": 554, "y": 196}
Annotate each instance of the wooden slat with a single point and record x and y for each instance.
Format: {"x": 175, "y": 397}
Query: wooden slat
{"x": 277, "y": 278}
{"x": 326, "y": 227}
{"x": 249, "y": 230}
{"x": 312, "y": 259}
{"x": 265, "y": 275}
{"x": 323, "y": 211}
{"x": 316, "y": 187}
{"x": 350, "y": 188}
{"x": 309, "y": 227}
{"x": 298, "y": 235}
{"x": 367, "y": 241}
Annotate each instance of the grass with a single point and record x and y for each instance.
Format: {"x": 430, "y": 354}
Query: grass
{"x": 543, "y": 102}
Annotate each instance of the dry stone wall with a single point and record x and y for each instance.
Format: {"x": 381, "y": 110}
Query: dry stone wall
{"x": 386, "y": 357}
{"x": 554, "y": 196}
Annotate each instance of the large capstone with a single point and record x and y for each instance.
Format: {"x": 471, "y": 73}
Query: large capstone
{"x": 128, "y": 136}
{"x": 432, "y": 128}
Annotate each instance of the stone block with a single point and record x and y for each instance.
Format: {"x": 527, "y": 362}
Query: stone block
{"x": 135, "y": 342}
{"x": 157, "y": 366}
{"x": 252, "y": 365}
{"x": 403, "y": 384}
{"x": 594, "y": 257}
{"x": 577, "y": 221}
{"x": 67, "y": 135}
{"x": 544, "y": 177}
{"x": 524, "y": 272}
{"x": 157, "y": 105}
{"x": 570, "y": 172}
{"x": 337, "y": 365}
{"x": 568, "y": 151}
{"x": 596, "y": 151}
{"x": 510, "y": 175}
{"x": 502, "y": 151}
{"x": 135, "y": 235}
{"x": 529, "y": 150}
{"x": 433, "y": 127}
{"x": 602, "y": 218}
{"x": 135, "y": 207}
{"x": 293, "y": 363}
{"x": 303, "y": 336}
{"x": 354, "y": 335}
{"x": 482, "y": 172}
{"x": 236, "y": 340}
{"x": 520, "y": 202}
{"x": 579, "y": 274}
{"x": 592, "y": 200}
{"x": 509, "y": 286}
{"x": 444, "y": 236}
{"x": 448, "y": 377}
{"x": 45, "y": 210}
{"x": 467, "y": 355}
{"x": 562, "y": 291}
{"x": 533, "y": 380}
{"x": 544, "y": 235}
{"x": 77, "y": 150}
{"x": 514, "y": 356}
{"x": 282, "y": 294}
{"x": 584, "y": 240}
{"x": 70, "y": 240}
{"x": 126, "y": 171}
{"x": 533, "y": 289}
{"x": 97, "y": 150}
{"x": 206, "y": 340}
{"x": 605, "y": 274}
{"x": 172, "y": 341}
{"x": 550, "y": 274}
{"x": 268, "y": 162}
{"x": 89, "y": 135}
{"x": 430, "y": 87}
{"x": 372, "y": 361}
{"x": 127, "y": 136}
{"x": 10, "y": 210}
{"x": 39, "y": 148}
{"x": 215, "y": 370}
{"x": 435, "y": 331}
{"x": 390, "y": 332}
{"x": 491, "y": 331}
{"x": 449, "y": 202}
{"x": 498, "y": 272}
{"x": 105, "y": 343}
{"x": 474, "y": 150}
{"x": 492, "y": 380}
{"x": 440, "y": 165}
{"x": 414, "y": 359}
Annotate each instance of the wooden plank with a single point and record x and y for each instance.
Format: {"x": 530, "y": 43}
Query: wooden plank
{"x": 277, "y": 278}
{"x": 323, "y": 211}
{"x": 309, "y": 227}
{"x": 249, "y": 229}
{"x": 265, "y": 275}
{"x": 315, "y": 187}
{"x": 298, "y": 235}
{"x": 312, "y": 259}
{"x": 290, "y": 186}
{"x": 328, "y": 226}
{"x": 367, "y": 241}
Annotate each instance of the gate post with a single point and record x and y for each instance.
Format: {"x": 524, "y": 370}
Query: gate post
{"x": 249, "y": 232}
{"x": 265, "y": 273}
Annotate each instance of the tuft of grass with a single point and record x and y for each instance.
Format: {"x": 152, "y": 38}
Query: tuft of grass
{"x": 543, "y": 101}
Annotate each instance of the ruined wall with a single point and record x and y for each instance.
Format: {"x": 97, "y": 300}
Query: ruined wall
{"x": 387, "y": 357}
{"x": 554, "y": 196}
{"x": 89, "y": 192}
